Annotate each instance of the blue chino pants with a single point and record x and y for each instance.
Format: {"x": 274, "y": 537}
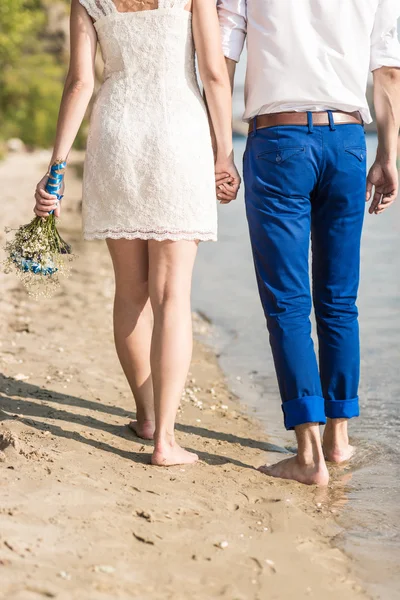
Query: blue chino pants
{"x": 307, "y": 183}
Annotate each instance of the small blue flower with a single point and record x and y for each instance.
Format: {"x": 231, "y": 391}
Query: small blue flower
{"x": 35, "y": 268}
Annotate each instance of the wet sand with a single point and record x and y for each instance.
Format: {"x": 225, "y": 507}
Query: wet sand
{"x": 83, "y": 514}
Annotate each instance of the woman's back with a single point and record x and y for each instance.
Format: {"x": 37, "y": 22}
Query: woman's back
{"x": 149, "y": 136}
{"x": 146, "y": 38}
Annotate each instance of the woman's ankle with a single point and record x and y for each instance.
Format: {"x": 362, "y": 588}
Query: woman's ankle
{"x": 145, "y": 415}
{"x": 163, "y": 439}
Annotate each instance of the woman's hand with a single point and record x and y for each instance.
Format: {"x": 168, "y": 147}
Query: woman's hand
{"x": 227, "y": 181}
{"x": 45, "y": 202}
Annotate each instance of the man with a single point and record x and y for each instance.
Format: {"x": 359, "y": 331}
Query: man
{"x": 305, "y": 176}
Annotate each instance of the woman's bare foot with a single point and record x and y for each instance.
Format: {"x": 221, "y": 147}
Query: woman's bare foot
{"x": 143, "y": 429}
{"x": 336, "y": 441}
{"x": 291, "y": 468}
{"x": 172, "y": 454}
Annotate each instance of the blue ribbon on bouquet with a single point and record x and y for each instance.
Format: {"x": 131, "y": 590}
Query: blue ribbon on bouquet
{"x": 56, "y": 177}
{"x": 34, "y": 261}
{"x": 53, "y": 186}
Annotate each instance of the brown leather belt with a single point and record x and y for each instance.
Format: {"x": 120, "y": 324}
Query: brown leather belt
{"x": 301, "y": 118}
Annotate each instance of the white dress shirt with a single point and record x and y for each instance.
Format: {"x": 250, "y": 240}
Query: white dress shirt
{"x": 310, "y": 54}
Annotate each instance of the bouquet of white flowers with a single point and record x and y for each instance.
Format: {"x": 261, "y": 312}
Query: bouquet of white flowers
{"x": 38, "y": 254}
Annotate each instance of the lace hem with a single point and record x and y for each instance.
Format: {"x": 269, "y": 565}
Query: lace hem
{"x": 159, "y": 236}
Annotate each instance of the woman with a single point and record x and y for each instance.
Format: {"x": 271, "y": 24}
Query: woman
{"x": 149, "y": 182}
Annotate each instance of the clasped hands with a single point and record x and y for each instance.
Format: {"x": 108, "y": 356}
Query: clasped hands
{"x": 227, "y": 180}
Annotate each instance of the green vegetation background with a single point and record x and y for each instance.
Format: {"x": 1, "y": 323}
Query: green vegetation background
{"x": 33, "y": 64}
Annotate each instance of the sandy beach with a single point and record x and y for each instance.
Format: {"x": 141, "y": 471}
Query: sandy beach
{"x": 82, "y": 513}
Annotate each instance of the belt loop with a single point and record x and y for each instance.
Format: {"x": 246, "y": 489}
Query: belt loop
{"x": 331, "y": 121}
{"x": 310, "y": 122}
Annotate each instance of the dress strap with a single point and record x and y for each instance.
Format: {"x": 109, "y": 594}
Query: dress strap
{"x": 172, "y": 3}
{"x": 99, "y": 8}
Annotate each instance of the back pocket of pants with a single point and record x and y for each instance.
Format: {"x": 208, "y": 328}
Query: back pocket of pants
{"x": 358, "y": 152}
{"x": 280, "y": 155}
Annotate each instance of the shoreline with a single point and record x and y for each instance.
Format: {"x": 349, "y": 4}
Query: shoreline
{"x": 83, "y": 514}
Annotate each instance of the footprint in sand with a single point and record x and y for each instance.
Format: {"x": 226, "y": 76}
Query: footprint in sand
{"x": 9, "y": 445}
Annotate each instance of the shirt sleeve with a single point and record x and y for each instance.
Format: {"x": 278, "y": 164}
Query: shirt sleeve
{"x": 232, "y": 16}
{"x": 385, "y": 45}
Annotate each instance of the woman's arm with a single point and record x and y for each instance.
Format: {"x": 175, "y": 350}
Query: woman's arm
{"x": 78, "y": 90}
{"x": 214, "y": 75}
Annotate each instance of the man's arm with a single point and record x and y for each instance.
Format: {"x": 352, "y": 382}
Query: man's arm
{"x": 385, "y": 65}
{"x": 387, "y": 107}
{"x": 231, "y": 64}
{"x": 383, "y": 175}
{"x": 232, "y": 16}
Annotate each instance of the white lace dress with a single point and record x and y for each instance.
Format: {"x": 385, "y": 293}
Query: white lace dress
{"x": 149, "y": 169}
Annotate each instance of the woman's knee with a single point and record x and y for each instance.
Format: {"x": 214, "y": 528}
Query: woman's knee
{"x": 133, "y": 293}
{"x": 167, "y": 298}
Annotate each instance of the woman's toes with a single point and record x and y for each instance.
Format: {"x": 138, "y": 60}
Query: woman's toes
{"x": 173, "y": 455}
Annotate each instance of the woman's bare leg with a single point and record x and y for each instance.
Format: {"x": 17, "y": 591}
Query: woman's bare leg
{"x": 133, "y": 325}
{"x": 170, "y": 278}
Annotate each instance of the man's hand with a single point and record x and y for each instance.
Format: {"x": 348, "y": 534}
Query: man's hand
{"x": 227, "y": 181}
{"x": 383, "y": 176}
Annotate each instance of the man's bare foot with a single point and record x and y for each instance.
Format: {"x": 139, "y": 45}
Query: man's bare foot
{"x": 143, "y": 429}
{"x": 172, "y": 454}
{"x": 336, "y": 441}
{"x": 292, "y": 468}
{"x": 337, "y": 454}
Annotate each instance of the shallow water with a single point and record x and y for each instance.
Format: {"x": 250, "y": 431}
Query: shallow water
{"x": 225, "y": 290}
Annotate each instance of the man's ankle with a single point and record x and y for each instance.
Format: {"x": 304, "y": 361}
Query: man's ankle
{"x": 309, "y": 445}
{"x": 336, "y": 432}
{"x": 336, "y": 441}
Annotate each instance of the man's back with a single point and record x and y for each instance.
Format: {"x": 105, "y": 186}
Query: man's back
{"x": 309, "y": 54}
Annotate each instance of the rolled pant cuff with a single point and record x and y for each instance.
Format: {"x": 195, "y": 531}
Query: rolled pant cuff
{"x": 342, "y": 409}
{"x": 308, "y": 409}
